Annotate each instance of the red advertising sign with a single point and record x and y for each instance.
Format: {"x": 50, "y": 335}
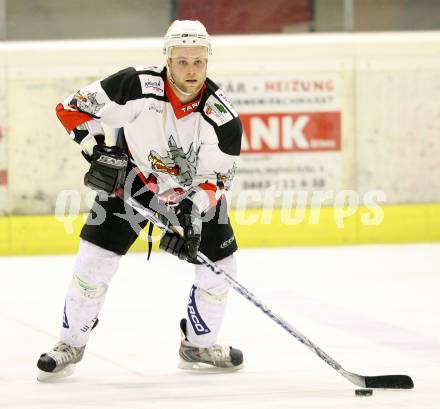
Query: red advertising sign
{"x": 291, "y": 132}
{"x": 3, "y": 177}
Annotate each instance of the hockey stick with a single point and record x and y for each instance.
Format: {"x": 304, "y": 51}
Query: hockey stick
{"x": 383, "y": 381}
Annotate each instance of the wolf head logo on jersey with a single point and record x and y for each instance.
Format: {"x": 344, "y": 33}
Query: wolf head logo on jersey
{"x": 86, "y": 103}
{"x": 177, "y": 163}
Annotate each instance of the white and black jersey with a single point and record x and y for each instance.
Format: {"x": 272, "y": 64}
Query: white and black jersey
{"x": 193, "y": 145}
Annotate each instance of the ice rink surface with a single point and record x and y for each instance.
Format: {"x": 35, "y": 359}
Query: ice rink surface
{"x": 375, "y": 309}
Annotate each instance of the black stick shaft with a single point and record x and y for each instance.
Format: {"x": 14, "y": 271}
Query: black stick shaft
{"x": 387, "y": 381}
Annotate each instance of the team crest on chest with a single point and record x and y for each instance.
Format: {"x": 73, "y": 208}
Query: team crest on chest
{"x": 176, "y": 163}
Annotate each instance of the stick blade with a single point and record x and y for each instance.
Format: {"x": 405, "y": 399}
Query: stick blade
{"x": 389, "y": 382}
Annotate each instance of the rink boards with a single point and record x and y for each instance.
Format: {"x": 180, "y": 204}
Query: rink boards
{"x": 20, "y": 235}
{"x": 322, "y": 113}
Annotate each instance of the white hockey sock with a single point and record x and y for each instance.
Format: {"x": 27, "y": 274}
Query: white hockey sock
{"x": 94, "y": 269}
{"x": 207, "y": 303}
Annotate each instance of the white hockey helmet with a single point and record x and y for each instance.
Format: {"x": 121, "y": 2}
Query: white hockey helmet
{"x": 186, "y": 33}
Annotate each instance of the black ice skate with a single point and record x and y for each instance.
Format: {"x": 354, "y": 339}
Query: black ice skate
{"x": 60, "y": 362}
{"x": 215, "y": 357}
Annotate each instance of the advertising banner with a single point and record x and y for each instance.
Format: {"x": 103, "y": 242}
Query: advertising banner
{"x": 292, "y": 132}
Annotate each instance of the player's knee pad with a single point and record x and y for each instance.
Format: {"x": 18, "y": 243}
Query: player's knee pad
{"x": 94, "y": 269}
{"x": 212, "y": 287}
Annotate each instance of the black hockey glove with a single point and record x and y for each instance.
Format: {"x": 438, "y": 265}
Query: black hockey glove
{"x": 174, "y": 244}
{"x": 108, "y": 165}
{"x": 190, "y": 220}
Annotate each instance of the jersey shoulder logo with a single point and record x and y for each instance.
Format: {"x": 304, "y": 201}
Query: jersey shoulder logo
{"x": 86, "y": 102}
{"x": 225, "y": 100}
{"x": 216, "y": 111}
{"x": 152, "y": 84}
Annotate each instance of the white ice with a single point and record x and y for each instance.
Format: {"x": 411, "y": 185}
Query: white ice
{"x": 375, "y": 309}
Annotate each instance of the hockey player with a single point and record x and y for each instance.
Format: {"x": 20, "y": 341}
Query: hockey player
{"x": 178, "y": 133}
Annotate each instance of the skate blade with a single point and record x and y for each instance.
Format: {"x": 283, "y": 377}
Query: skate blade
{"x": 206, "y": 368}
{"x": 53, "y": 376}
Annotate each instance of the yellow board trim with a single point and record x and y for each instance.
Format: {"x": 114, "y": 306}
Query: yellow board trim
{"x": 29, "y": 235}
